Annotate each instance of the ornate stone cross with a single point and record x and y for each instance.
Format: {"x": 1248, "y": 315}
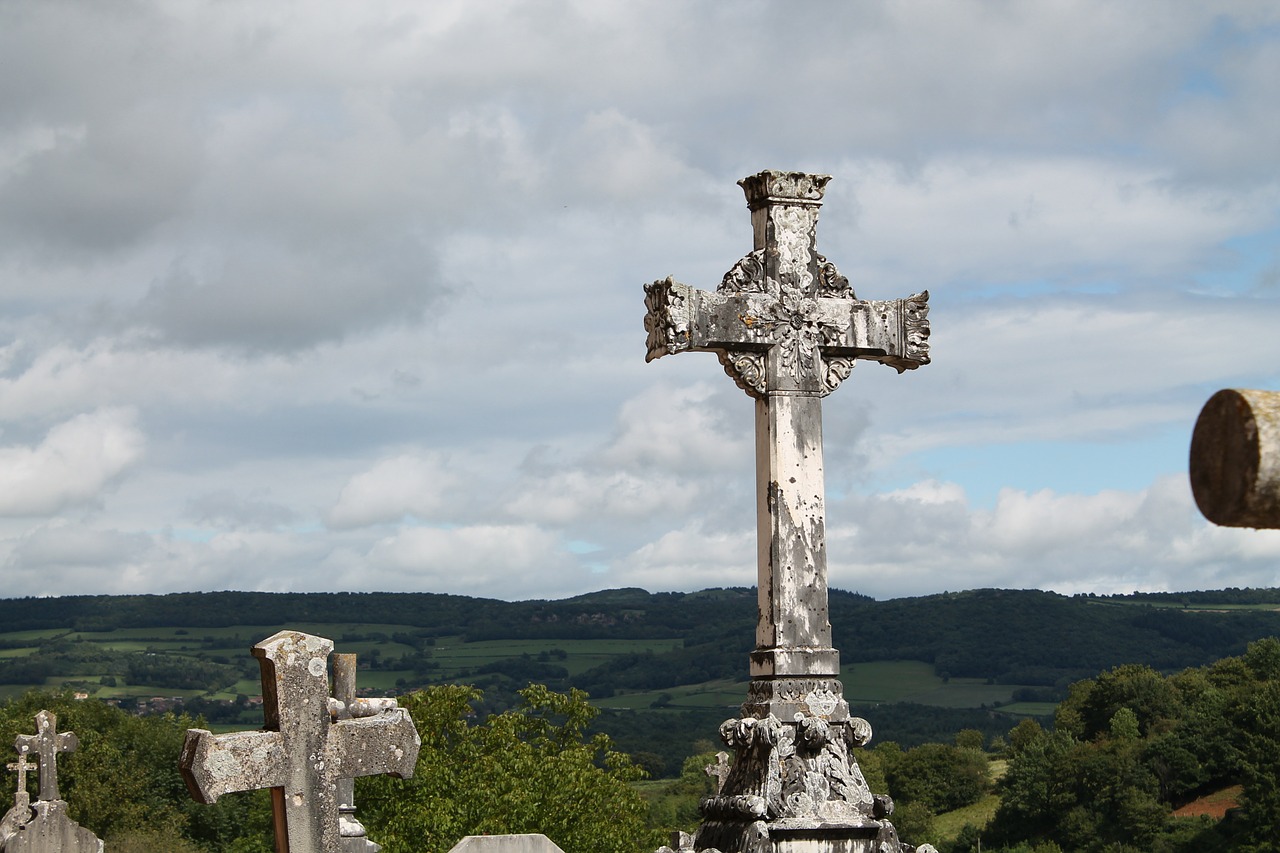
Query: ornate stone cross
{"x": 46, "y": 743}
{"x": 307, "y": 746}
{"x": 788, "y": 328}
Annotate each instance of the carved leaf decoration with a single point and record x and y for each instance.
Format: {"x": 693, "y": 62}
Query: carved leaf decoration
{"x": 746, "y": 369}
{"x": 666, "y": 319}
{"x": 836, "y": 369}
{"x": 746, "y": 276}
{"x": 830, "y": 281}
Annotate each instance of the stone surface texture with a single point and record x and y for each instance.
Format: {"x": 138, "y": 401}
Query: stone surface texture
{"x": 527, "y": 843}
{"x": 354, "y": 837}
{"x": 43, "y": 826}
{"x": 1235, "y": 459}
{"x": 788, "y": 329}
{"x": 310, "y": 742}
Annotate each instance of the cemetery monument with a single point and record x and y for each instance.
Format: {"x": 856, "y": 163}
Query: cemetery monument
{"x": 43, "y": 826}
{"x": 311, "y": 743}
{"x": 788, "y": 329}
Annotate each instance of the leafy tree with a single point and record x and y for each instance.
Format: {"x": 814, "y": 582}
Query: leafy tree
{"x": 530, "y": 769}
{"x": 122, "y": 782}
{"x": 940, "y": 776}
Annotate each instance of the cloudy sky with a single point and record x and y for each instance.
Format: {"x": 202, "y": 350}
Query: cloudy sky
{"x": 347, "y": 296}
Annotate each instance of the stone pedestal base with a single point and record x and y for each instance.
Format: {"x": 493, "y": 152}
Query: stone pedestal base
{"x": 798, "y": 836}
{"x": 794, "y": 787}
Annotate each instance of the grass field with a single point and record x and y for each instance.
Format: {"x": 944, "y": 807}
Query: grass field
{"x": 915, "y": 681}
{"x": 865, "y": 683}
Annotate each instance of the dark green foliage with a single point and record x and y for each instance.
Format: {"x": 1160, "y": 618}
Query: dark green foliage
{"x": 530, "y": 769}
{"x": 1044, "y": 639}
{"x": 939, "y": 776}
{"x": 674, "y": 805}
{"x": 122, "y": 783}
{"x": 1131, "y": 745}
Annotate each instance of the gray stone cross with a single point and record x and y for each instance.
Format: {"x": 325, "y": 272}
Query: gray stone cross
{"x": 787, "y": 327}
{"x": 719, "y": 770}
{"x": 303, "y": 752}
{"x": 46, "y": 743}
{"x": 21, "y": 766}
{"x": 348, "y": 707}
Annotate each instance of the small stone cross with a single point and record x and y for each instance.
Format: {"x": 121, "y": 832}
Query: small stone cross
{"x": 303, "y": 752}
{"x": 46, "y": 743}
{"x": 21, "y": 766}
{"x": 788, "y": 328}
{"x": 720, "y": 770}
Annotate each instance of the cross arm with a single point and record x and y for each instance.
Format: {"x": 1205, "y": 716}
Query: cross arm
{"x": 213, "y": 765}
{"x": 387, "y": 742}
{"x": 891, "y": 331}
{"x": 680, "y": 317}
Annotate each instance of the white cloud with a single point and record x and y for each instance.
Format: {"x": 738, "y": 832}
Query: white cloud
{"x": 691, "y": 558}
{"x": 501, "y": 561}
{"x": 73, "y": 465}
{"x": 353, "y": 264}
{"x": 396, "y": 487}
{"x": 928, "y": 538}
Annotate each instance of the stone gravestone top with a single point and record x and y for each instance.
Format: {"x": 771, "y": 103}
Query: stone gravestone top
{"x": 307, "y": 746}
{"x": 525, "y": 843}
{"x": 787, "y": 328}
{"x": 21, "y": 812}
{"x": 43, "y": 826}
{"x": 46, "y": 743}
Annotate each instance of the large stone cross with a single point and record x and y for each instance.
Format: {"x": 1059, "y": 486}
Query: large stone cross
{"x": 787, "y": 327}
{"x": 303, "y": 750}
{"x": 45, "y": 744}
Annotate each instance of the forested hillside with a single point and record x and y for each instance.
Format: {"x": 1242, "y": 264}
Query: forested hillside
{"x": 1014, "y": 636}
{"x": 664, "y": 667}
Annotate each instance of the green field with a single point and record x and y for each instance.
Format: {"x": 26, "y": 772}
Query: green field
{"x": 453, "y": 659}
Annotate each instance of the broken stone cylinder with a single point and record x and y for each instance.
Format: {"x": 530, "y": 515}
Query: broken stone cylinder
{"x": 1235, "y": 459}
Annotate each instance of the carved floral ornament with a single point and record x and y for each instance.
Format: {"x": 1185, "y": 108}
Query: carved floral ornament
{"x": 800, "y": 769}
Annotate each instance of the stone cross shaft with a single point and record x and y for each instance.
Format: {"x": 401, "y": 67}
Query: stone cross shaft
{"x": 303, "y": 751}
{"x": 45, "y": 744}
{"x": 788, "y": 328}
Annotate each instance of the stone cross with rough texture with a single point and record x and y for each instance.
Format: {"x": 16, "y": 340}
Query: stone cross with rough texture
{"x": 45, "y": 744}
{"x": 43, "y": 826}
{"x": 1235, "y": 459}
{"x": 354, "y": 837}
{"x": 21, "y": 767}
{"x": 788, "y": 329}
{"x": 303, "y": 750}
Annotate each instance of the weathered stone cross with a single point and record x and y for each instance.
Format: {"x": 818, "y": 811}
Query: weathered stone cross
{"x": 303, "y": 751}
{"x": 788, "y": 328}
{"x": 21, "y": 766}
{"x": 46, "y": 743}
